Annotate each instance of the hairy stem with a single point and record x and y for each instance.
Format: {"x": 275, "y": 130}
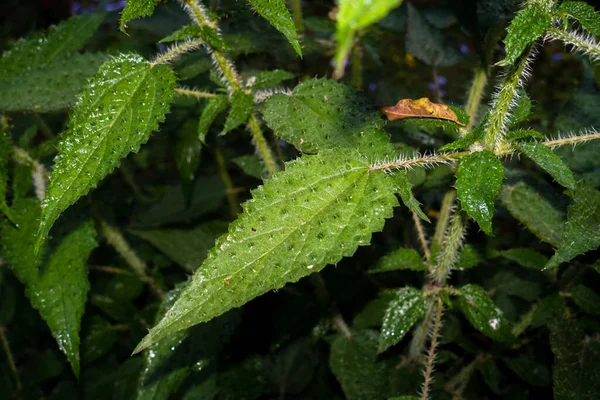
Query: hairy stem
{"x": 585, "y": 43}
{"x": 444, "y": 217}
{"x": 194, "y": 93}
{"x": 234, "y": 204}
{"x": 262, "y": 147}
{"x": 10, "y": 358}
{"x": 422, "y": 238}
{"x": 476, "y": 94}
{"x": 177, "y": 50}
{"x": 296, "y": 6}
{"x": 452, "y": 243}
{"x": 437, "y": 324}
{"x": 573, "y": 140}
{"x": 417, "y": 344}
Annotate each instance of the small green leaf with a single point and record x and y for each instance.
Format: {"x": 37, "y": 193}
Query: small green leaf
{"x": 5, "y": 152}
{"x": 404, "y": 187}
{"x": 215, "y": 106}
{"x": 372, "y": 314}
{"x": 276, "y": 12}
{"x": 584, "y": 13}
{"x": 53, "y": 87}
{"x": 428, "y": 43}
{"x": 323, "y": 114}
{"x": 403, "y": 312}
{"x": 241, "y": 107}
{"x": 465, "y": 141}
{"x": 576, "y": 361}
{"x": 59, "y": 41}
{"x": 250, "y": 164}
{"x": 526, "y": 257}
{"x": 57, "y": 286}
{"x": 483, "y": 314}
{"x": 187, "y": 248}
{"x": 265, "y": 79}
{"x": 520, "y": 112}
{"x": 320, "y": 209}
{"x": 136, "y": 9}
{"x": 354, "y": 15}
{"x": 535, "y": 211}
{"x": 522, "y": 134}
{"x": 549, "y": 162}
{"x": 468, "y": 258}
{"x": 204, "y": 32}
{"x": 529, "y": 25}
{"x": 117, "y": 112}
{"x": 582, "y": 230}
{"x": 478, "y": 180}
{"x": 401, "y": 258}
{"x": 586, "y": 299}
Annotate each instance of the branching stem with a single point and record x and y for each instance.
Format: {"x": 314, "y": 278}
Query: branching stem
{"x": 177, "y": 50}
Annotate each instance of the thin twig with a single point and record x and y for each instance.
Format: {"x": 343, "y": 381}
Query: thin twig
{"x": 432, "y": 349}
{"x": 194, "y": 93}
{"x": 422, "y": 237}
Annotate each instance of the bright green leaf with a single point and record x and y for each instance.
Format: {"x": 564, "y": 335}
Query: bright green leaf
{"x": 56, "y": 285}
{"x": 265, "y": 79}
{"x": 193, "y": 31}
{"x": 320, "y": 209}
{"x": 241, "y": 107}
{"x": 136, "y": 9}
{"x": 584, "y": 13}
{"x": 465, "y": 141}
{"x": 276, "y": 12}
{"x": 586, "y": 299}
{"x": 403, "y": 312}
{"x": 323, "y": 114}
{"x": 53, "y": 87}
{"x": 478, "y": 180}
{"x": 526, "y": 257}
{"x": 5, "y": 152}
{"x": 401, "y": 258}
{"x": 213, "y": 108}
{"x": 549, "y": 162}
{"x": 404, "y": 187}
{"x": 582, "y": 231}
{"x": 116, "y": 113}
{"x": 483, "y": 314}
{"x": 529, "y": 25}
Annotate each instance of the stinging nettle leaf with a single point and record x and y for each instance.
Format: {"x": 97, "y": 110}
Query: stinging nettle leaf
{"x": 320, "y": 209}
{"x": 582, "y": 231}
{"x": 526, "y": 257}
{"x": 116, "y": 113}
{"x": 404, "y": 188}
{"x": 524, "y": 134}
{"x": 586, "y": 299}
{"x": 478, "y": 180}
{"x": 483, "y": 314}
{"x": 241, "y": 107}
{"x": 549, "y": 162}
{"x": 403, "y": 312}
{"x": 265, "y": 79}
{"x": 400, "y": 259}
{"x": 136, "y": 9}
{"x": 521, "y": 110}
{"x": 276, "y": 12}
{"x": 213, "y": 108}
{"x": 584, "y": 13}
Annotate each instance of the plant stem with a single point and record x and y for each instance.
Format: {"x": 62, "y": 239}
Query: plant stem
{"x": 357, "y": 67}
{"x": 475, "y": 95}
{"x": 234, "y": 204}
{"x": 176, "y": 51}
{"x": 417, "y": 344}
{"x": 459, "y": 382}
{"x": 422, "y": 238}
{"x": 437, "y": 323}
{"x": 118, "y": 242}
{"x": 44, "y": 126}
{"x": 452, "y": 243}
{"x": 586, "y": 44}
{"x": 10, "y": 358}
{"x": 444, "y": 217}
{"x": 263, "y": 149}
{"x": 194, "y": 93}
{"x": 296, "y": 6}
{"x": 572, "y": 140}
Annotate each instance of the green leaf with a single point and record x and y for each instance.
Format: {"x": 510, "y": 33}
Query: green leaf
{"x": 529, "y": 369}
{"x": 98, "y": 341}
{"x": 117, "y": 112}
{"x": 136, "y": 9}
{"x": 53, "y": 87}
{"x": 401, "y": 258}
{"x": 320, "y": 209}
{"x": 535, "y": 211}
{"x": 468, "y": 258}
{"x": 549, "y": 162}
{"x": 491, "y": 374}
{"x": 56, "y": 285}
{"x": 250, "y": 164}
{"x": 187, "y": 248}
{"x": 404, "y": 187}
{"x": 529, "y": 25}
{"x": 354, "y": 15}
{"x": 508, "y": 283}
{"x": 323, "y": 114}
{"x": 586, "y": 299}
{"x": 576, "y": 361}
{"x": 483, "y": 314}
{"x": 429, "y": 44}
{"x": 465, "y": 141}
{"x": 354, "y": 363}
{"x": 204, "y": 32}
{"x": 372, "y": 314}
{"x": 522, "y": 134}
{"x": 582, "y": 230}
{"x": 167, "y": 364}
{"x": 241, "y": 107}
{"x": 547, "y": 310}
{"x": 583, "y": 160}
{"x": 526, "y": 257}
{"x": 520, "y": 112}
{"x": 276, "y": 12}
{"x": 214, "y": 107}
{"x": 403, "y": 312}
{"x": 478, "y": 180}
{"x": 187, "y": 151}
{"x": 38, "y": 50}
{"x": 584, "y": 13}
{"x": 5, "y": 152}
{"x": 265, "y": 79}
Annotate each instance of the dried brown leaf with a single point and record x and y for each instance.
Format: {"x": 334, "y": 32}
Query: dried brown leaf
{"x": 421, "y": 108}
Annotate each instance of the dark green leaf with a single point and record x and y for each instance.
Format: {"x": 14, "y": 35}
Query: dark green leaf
{"x": 549, "y": 162}
{"x": 478, "y": 180}
{"x": 403, "y": 311}
{"x": 483, "y": 314}
{"x": 464, "y": 141}
{"x": 401, "y": 258}
{"x": 576, "y": 361}
{"x": 241, "y": 107}
{"x": 214, "y": 107}
{"x": 322, "y": 114}
{"x": 243, "y": 381}
{"x": 187, "y": 153}
{"x": 56, "y": 285}
{"x": 526, "y": 257}
{"x": 586, "y": 299}
{"x": 117, "y": 112}
{"x": 98, "y": 339}
{"x": 372, "y": 314}
{"x": 529, "y": 369}
{"x": 491, "y": 374}
{"x": 536, "y": 212}
{"x": 404, "y": 187}
{"x": 265, "y": 79}
{"x": 520, "y": 112}
{"x": 522, "y": 134}
{"x": 136, "y": 9}
{"x": 468, "y": 258}
{"x": 508, "y": 283}
{"x": 547, "y": 310}
{"x": 297, "y": 222}
{"x": 582, "y": 230}
{"x": 204, "y": 32}
{"x": 5, "y": 152}
{"x": 250, "y": 164}
{"x": 529, "y": 25}
{"x": 276, "y": 12}
{"x": 584, "y": 13}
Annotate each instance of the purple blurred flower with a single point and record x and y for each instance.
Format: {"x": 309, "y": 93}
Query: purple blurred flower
{"x": 464, "y": 48}
{"x": 161, "y": 46}
{"x": 557, "y": 56}
{"x": 442, "y": 80}
{"x": 115, "y": 6}
{"x": 431, "y": 86}
{"x": 372, "y": 87}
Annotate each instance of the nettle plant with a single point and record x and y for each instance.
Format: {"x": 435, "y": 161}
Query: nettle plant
{"x": 471, "y": 311}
